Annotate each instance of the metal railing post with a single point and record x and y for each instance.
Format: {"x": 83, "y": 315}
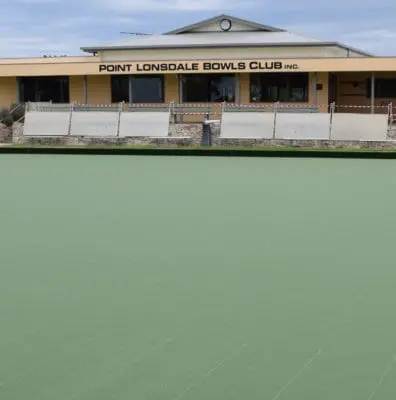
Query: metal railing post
{"x": 275, "y": 110}
{"x": 120, "y": 109}
{"x": 332, "y": 109}
{"x": 390, "y": 117}
{"x": 70, "y": 119}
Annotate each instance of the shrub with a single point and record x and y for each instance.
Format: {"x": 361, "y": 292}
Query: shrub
{"x": 5, "y": 117}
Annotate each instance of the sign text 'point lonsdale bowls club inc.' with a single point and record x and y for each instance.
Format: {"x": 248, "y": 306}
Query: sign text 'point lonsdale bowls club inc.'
{"x": 199, "y": 66}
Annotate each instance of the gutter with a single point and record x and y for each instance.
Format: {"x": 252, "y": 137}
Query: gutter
{"x": 231, "y": 45}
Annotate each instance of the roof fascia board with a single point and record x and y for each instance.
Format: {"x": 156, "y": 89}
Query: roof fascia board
{"x": 201, "y": 46}
{"x": 353, "y": 49}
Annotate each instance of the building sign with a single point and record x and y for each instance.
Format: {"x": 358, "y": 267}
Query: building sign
{"x": 199, "y": 66}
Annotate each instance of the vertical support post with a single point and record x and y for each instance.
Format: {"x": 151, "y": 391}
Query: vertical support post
{"x": 130, "y": 91}
{"x": 180, "y": 88}
{"x": 18, "y": 90}
{"x": 238, "y": 89}
{"x": 85, "y": 86}
{"x": 372, "y": 93}
{"x": 180, "y": 117}
{"x": 314, "y": 83}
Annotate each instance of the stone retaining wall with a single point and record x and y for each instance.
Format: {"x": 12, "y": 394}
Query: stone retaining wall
{"x": 17, "y": 133}
{"x": 91, "y": 141}
{"x": 5, "y": 134}
{"x": 183, "y": 135}
{"x": 316, "y": 144}
{"x": 179, "y": 135}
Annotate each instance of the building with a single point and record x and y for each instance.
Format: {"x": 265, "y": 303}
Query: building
{"x": 222, "y": 59}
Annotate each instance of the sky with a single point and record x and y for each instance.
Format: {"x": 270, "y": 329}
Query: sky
{"x": 31, "y": 28}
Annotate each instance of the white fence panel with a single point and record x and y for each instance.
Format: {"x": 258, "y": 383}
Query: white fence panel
{"x": 94, "y": 123}
{"x": 302, "y": 126}
{"x": 146, "y": 123}
{"x": 348, "y": 126}
{"x": 53, "y": 123}
{"x": 246, "y": 125}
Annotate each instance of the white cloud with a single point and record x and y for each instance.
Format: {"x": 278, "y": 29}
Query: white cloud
{"x": 377, "y": 41}
{"x": 37, "y": 46}
{"x": 88, "y": 20}
{"x": 33, "y": 2}
{"x": 36, "y": 27}
{"x": 64, "y": 36}
{"x": 316, "y": 6}
{"x": 378, "y": 37}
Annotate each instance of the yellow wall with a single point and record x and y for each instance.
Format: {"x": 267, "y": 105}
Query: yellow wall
{"x": 323, "y": 95}
{"x": 99, "y": 89}
{"x": 68, "y": 66}
{"x": 352, "y": 90}
{"x": 77, "y": 89}
{"x": 171, "y": 89}
{"x": 244, "y": 53}
{"x": 8, "y": 91}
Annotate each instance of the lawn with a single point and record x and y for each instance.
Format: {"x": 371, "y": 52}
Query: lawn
{"x": 167, "y": 278}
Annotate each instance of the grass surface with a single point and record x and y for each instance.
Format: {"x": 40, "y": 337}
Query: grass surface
{"x": 196, "y": 278}
{"x": 202, "y": 148}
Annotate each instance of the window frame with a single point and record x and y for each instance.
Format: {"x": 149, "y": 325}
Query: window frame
{"x": 137, "y": 77}
{"x": 289, "y": 88}
{"x": 377, "y": 88}
{"x": 210, "y": 79}
{"x": 63, "y": 87}
{"x": 129, "y": 80}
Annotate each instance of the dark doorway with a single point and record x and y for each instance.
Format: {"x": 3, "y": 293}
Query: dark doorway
{"x": 333, "y": 89}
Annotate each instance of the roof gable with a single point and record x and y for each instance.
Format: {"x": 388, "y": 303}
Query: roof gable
{"x": 209, "y": 34}
{"x": 213, "y": 25}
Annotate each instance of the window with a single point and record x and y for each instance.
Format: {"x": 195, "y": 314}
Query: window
{"x": 384, "y": 88}
{"x": 208, "y": 88}
{"x": 148, "y": 89}
{"x": 120, "y": 89}
{"x": 144, "y": 89}
{"x": 46, "y": 88}
{"x": 284, "y": 87}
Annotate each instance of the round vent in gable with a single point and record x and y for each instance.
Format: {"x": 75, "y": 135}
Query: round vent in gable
{"x": 225, "y": 25}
